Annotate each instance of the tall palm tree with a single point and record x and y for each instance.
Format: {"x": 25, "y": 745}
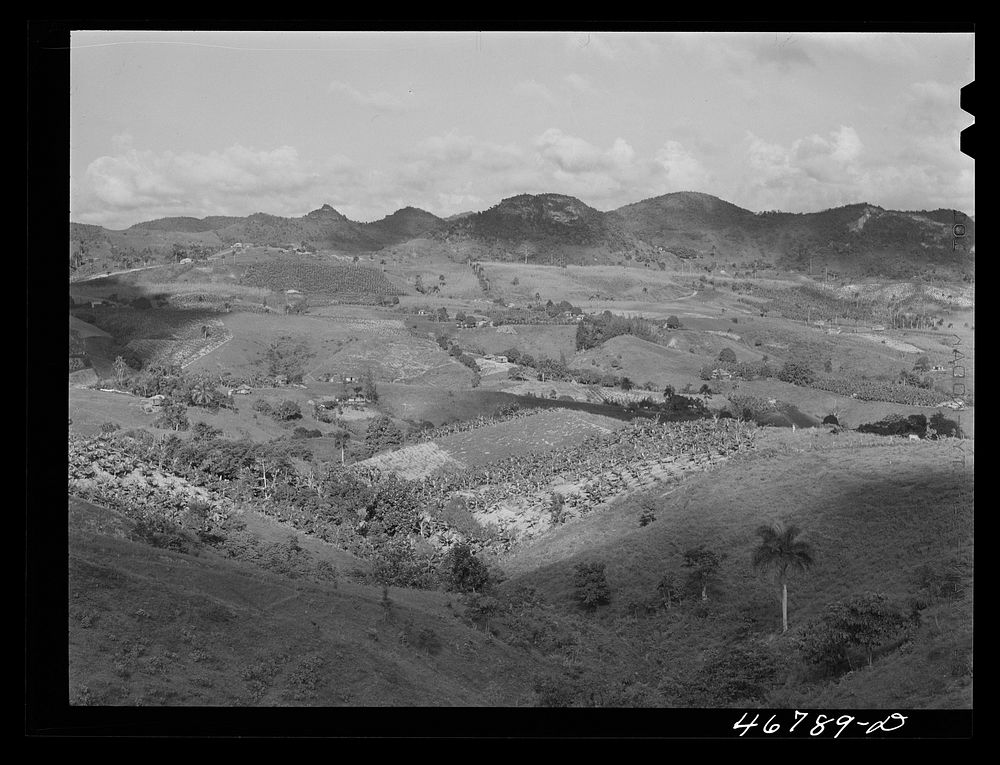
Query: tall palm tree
{"x": 340, "y": 440}
{"x": 779, "y": 552}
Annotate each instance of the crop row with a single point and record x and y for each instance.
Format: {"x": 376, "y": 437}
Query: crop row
{"x": 310, "y": 275}
{"x": 881, "y": 390}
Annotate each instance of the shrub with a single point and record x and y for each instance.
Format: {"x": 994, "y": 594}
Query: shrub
{"x": 741, "y": 673}
{"x": 897, "y": 425}
{"x": 591, "y": 585}
{"x": 704, "y": 571}
{"x": 395, "y": 564}
{"x": 174, "y": 417}
{"x": 462, "y": 571}
{"x": 865, "y": 622}
{"x": 287, "y": 410}
{"x": 796, "y": 373}
{"x": 557, "y": 508}
{"x": 110, "y": 427}
{"x": 943, "y": 427}
{"x": 727, "y": 355}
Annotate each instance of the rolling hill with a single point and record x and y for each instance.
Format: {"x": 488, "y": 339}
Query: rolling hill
{"x": 543, "y": 228}
{"x": 859, "y": 238}
{"x": 554, "y": 229}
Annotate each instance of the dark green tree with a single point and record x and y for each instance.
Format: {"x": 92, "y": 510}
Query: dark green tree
{"x": 591, "y": 585}
{"x": 462, "y": 571}
{"x": 704, "y": 570}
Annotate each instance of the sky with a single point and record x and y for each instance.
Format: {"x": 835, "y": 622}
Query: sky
{"x": 232, "y": 123}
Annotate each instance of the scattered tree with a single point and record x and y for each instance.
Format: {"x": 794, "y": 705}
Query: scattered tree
{"x": 462, "y": 571}
{"x": 704, "y": 565}
{"x": 727, "y": 355}
{"x": 591, "y": 585}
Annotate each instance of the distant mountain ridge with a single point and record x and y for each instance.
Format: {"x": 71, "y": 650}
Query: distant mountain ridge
{"x": 556, "y": 229}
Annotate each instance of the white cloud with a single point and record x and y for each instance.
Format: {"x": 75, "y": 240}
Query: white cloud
{"x": 189, "y": 183}
{"x": 572, "y": 154}
{"x": 578, "y": 82}
{"x": 684, "y": 172}
{"x": 817, "y": 172}
{"x": 380, "y": 99}
{"x": 534, "y": 89}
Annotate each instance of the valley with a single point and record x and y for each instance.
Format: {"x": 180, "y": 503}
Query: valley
{"x": 521, "y": 458}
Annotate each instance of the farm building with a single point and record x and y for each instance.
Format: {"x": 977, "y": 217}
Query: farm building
{"x": 153, "y": 404}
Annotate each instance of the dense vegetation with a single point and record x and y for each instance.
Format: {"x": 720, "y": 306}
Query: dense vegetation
{"x": 595, "y": 330}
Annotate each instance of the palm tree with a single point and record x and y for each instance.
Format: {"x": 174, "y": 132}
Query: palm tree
{"x": 201, "y": 393}
{"x": 340, "y": 440}
{"x": 781, "y": 553}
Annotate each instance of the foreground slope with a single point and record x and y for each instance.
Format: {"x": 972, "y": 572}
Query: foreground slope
{"x": 875, "y": 510}
{"x": 150, "y": 626}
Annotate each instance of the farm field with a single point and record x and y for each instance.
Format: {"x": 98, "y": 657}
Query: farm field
{"x": 439, "y": 405}
{"x": 625, "y": 492}
{"x": 542, "y": 340}
{"x": 582, "y": 284}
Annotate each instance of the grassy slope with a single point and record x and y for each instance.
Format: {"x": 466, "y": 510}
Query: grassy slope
{"x": 153, "y": 627}
{"x": 874, "y": 509}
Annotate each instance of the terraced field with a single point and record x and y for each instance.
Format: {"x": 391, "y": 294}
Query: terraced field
{"x": 545, "y": 430}
{"x": 186, "y": 347}
{"x": 415, "y": 462}
{"x": 392, "y": 358}
{"x": 552, "y": 429}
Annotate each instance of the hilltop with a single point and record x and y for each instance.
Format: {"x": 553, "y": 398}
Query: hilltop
{"x": 543, "y": 228}
{"x": 684, "y": 230}
{"x": 859, "y": 238}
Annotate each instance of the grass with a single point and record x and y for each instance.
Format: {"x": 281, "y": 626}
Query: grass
{"x": 872, "y": 508}
{"x": 158, "y": 627}
{"x": 152, "y": 627}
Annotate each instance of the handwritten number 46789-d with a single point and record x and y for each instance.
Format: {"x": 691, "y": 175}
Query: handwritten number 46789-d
{"x": 895, "y": 721}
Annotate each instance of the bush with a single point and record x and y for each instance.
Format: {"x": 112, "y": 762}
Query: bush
{"x": 897, "y": 425}
{"x": 395, "y": 564}
{"x": 591, "y": 585}
{"x": 796, "y": 373}
{"x": 727, "y": 355}
{"x": 741, "y": 673}
{"x": 866, "y": 622}
{"x": 943, "y": 427}
{"x": 462, "y": 571}
{"x": 673, "y": 322}
{"x": 287, "y": 410}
